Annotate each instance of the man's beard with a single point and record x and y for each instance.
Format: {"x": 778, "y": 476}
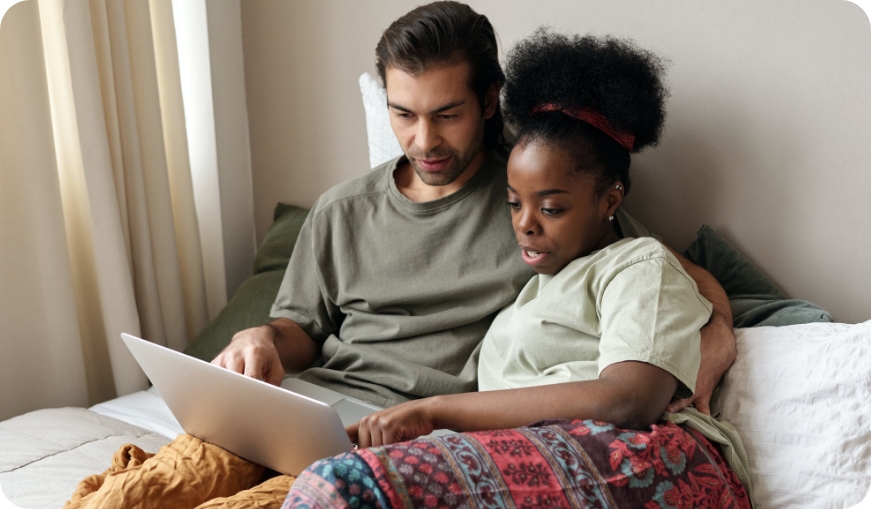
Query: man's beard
{"x": 458, "y": 164}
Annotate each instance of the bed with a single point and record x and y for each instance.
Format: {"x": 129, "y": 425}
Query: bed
{"x": 798, "y": 393}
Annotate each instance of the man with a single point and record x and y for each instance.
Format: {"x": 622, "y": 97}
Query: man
{"x": 397, "y": 274}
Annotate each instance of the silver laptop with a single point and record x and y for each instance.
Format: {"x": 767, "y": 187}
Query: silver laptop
{"x": 284, "y": 428}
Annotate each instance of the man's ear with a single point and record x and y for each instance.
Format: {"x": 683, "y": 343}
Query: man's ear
{"x": 491, "y": 100}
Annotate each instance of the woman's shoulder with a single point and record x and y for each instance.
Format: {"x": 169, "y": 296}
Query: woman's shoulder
{"x": 640, "y": 247}
{"x": 629, "y": 251}
{"x": 644, "y": 255}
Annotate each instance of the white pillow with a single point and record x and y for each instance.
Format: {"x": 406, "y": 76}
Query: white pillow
{"x": 800, "y": 397}
{"x": 383, "y": 145}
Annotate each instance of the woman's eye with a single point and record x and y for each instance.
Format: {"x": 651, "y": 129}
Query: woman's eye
{"x": 551, "y": 212}
{"x": 513, "y": 204}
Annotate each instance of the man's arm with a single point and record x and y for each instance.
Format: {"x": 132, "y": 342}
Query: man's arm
{"x": 718, "y": 339}
{"x": 268, "y": 351}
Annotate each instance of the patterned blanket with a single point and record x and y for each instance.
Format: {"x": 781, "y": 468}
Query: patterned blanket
{"x": 551, "y": 464}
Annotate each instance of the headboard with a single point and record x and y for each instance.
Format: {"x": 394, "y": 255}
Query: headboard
{"x": 765, "y": 139}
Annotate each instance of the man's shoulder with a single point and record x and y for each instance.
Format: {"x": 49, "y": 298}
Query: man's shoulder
{"x": 370, "y": 185}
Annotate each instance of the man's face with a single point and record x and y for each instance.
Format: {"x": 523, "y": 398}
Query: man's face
{"x": 438, "y": 120}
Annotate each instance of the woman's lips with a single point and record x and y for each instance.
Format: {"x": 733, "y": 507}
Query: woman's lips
{"x": 434, "y": 164}
{"x": 532, "y": 257}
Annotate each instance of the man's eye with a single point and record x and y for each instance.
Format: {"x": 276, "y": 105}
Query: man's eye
{"x": 448, "y": 117}
{"x": 402, "y": 115}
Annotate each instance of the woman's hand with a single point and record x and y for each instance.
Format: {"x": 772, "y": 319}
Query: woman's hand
{"x": 628, "y": 394}
{"x": 395, "y": 424}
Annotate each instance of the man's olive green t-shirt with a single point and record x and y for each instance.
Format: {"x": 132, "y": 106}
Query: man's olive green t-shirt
{"x": 401, "y": 293}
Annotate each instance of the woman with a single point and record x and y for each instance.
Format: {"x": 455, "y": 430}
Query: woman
{"x": 599, "y": 341}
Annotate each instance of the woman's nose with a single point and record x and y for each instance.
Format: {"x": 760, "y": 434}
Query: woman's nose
{"x": 526, "y": 224}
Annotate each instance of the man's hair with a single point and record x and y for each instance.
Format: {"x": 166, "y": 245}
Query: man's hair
{"x": 443, "y": 34}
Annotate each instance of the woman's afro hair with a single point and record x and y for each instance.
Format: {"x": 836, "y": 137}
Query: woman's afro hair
{"x": 610, "y": 76}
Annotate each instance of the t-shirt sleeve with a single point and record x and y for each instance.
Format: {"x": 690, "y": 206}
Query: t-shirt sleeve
{"x": 302, "y": 296}
{"x": 651, "y": 312}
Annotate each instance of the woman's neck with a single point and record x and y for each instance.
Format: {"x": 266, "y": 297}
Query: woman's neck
{"x": 610, "y": 236}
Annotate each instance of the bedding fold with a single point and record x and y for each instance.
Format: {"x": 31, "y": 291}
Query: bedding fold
{"x": 185, "y": 474}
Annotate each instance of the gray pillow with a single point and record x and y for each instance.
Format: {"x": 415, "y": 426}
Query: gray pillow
{"x": 756, "y": 301}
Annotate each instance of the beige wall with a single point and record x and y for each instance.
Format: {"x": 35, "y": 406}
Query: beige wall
{"x": 231, "y": 136}
{"x": 766, "y": 135}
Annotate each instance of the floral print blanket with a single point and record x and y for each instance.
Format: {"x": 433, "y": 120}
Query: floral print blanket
{"x": 551, "y": 464}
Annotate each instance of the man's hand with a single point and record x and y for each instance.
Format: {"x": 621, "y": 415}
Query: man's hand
{"x": 252, "y": 352}
{"x": 718, "y": 341}
{"x": 718, "y": 353}
{"x": 395, "y": 424}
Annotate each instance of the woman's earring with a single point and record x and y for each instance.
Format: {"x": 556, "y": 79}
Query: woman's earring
{"x": 610, "y": 218}
{"x": 619, "y": 187}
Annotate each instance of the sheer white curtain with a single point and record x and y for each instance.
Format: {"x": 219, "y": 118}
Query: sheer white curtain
{"x": 98, "y": 229}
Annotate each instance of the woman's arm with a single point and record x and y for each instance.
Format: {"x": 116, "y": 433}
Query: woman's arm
{"x": 628, "y": 394}
{"x": 718, "y": 341}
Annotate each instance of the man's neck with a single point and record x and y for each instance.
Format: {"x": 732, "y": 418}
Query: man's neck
{"x": 416, "y": 190}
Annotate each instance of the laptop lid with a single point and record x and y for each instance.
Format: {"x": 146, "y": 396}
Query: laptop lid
{"x": 260, "y": 422}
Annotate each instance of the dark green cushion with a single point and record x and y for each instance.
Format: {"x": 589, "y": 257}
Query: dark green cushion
{"x": 248, "y": 308}
{"x": 277, "y": 246}
{"x": 756, "y": 301}
{"x": 253, "y": 300}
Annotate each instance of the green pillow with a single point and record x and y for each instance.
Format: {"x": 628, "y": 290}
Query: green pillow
{"x": 248, "y": 308}
{"x": 253, "y": 300}
{"x": 277, "y": 245}
{"x": 756, "y": 301}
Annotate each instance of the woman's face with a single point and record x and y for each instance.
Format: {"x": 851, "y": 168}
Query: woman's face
{"x": 556, "y": 212}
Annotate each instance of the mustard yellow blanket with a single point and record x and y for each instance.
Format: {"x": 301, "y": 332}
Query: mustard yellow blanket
{"x": 187, "y": 473}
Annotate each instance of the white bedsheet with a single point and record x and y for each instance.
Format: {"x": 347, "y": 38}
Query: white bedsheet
{"x": 44, "y": 454}
{"x": 145, "y": 409}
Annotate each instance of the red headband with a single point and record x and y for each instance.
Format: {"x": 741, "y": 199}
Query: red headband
{"x": 595, "y": 119}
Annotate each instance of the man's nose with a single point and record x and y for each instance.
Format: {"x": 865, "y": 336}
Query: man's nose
{"x": 427, "y": 136}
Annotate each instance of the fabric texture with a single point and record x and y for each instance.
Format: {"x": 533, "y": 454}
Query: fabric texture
{"x": 278, "y": 243}
{"x": 628, "y": 301}
{"x": 756, "y": 301}
{"x": 185, "y": 474}
{"x": 383, "y": 145}
{"x": 798, "y": 395}
{"x": 252, "y": 302}
{"x": 97, "y": 194}
{"x": 378, "y": 279}
{"x": 45, "y": 453}
{"x": 550, "y": 464}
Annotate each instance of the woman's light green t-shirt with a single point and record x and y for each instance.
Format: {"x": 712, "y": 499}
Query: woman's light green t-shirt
{"x": 631, "y": 301}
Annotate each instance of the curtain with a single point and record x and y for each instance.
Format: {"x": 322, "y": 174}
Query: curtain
{"x": 98, "y": 229}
